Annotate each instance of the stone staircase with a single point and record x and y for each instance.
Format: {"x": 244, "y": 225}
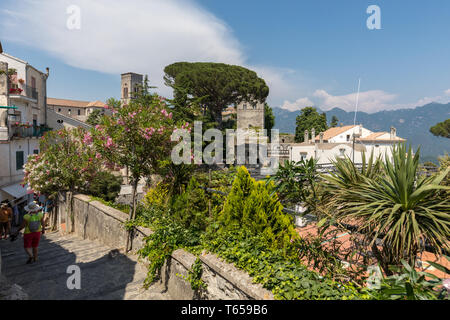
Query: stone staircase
{"x": 106, "y": 273}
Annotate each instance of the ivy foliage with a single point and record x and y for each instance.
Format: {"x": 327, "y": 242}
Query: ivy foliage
{"x": 283, "y": 274}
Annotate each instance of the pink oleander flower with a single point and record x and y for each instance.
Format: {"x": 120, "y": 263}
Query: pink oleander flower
{"x": 87, "y": 138}
{"x": 109, "y": 143}
{"x": 132, "y": 114}
{"x": 98, "y": 156}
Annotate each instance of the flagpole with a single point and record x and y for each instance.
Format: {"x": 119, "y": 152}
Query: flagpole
{"x": 354, "y": 120}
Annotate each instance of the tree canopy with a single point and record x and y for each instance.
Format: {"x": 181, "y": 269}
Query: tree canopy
{"x": 269, "y": 118}
{"x": 94, "y": 118}
{"x": 442, "y": 129}
{"x": 334, "y": 122}
{"x": 217, "y": 85}
{"x": 307, "y": 119}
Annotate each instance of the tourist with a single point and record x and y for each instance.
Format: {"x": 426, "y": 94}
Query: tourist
{"x": 16, "y": 213}
{"x": 33, "y": 223}
{"x": 5, "y": 220}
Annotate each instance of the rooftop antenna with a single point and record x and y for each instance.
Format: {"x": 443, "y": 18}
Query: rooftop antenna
{"x": 357, "y": 101}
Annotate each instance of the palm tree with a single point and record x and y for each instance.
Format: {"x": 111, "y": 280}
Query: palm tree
{"x": 392, "y": 203}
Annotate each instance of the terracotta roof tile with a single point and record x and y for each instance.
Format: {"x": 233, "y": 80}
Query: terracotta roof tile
{"x": 97, "y": 104}
{"x": 67, "y": 103}
{"x": 74, "y": 103}
{"x": 333, "y": 132}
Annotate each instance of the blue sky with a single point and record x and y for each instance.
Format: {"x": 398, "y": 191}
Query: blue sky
{"x": 309, "y": 52}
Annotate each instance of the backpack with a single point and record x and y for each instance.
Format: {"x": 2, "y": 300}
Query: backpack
{"x": 34, "y": 225}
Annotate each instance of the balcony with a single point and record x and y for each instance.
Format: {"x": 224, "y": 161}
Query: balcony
{"x": 25, "y": 91}
{"x": 28, "y": 131}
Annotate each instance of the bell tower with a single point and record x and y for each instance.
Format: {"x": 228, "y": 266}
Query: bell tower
{"x": 250, "y": 115}
{"x": 130, "y": 86}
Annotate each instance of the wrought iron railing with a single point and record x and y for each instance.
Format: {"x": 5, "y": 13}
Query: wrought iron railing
{"x": 28, "y": 132}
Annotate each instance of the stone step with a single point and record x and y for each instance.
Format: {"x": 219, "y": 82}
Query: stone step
{"x": 103, "y": 275}
{"x": 55, "y": 257}
{"x": 48, "y": 249}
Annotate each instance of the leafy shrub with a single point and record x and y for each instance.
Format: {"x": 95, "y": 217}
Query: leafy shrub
{"x": 284, "y": 275}
{"x": 157, "y": 196}
{"x": 296, "y": 181}
{"x": 191, "y": 207}
{"x": 408, "y": 284}
{"x": 105, "y": 185}
{"x": 167, "y": 236}
{"x": 255, "y": 207}
{"x": 405, "y": 210}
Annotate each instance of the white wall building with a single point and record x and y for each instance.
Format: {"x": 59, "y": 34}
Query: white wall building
{"x": 346, "y": 141}
{"x": 23, "y": 91}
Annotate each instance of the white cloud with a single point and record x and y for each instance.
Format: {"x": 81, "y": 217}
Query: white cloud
{"x": 297, "y": 104}
{"x": 144, "y": 36}
{"x": 119, "y": 36}
{"x": 369, "y": 101}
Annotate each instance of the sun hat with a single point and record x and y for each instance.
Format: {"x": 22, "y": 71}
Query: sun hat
{"x": 33, "y": 207}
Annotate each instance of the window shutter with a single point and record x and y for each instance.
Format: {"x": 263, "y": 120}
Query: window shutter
{"x": 19, "y": 160}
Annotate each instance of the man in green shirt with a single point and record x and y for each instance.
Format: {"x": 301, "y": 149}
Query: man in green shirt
{"x": 34, "y": 224}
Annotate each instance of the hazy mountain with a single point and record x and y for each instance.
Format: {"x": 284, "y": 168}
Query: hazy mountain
{"x": 412, "y": 124}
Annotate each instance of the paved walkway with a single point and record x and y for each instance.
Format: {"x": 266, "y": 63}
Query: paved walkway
{"x": 106, "y": 274}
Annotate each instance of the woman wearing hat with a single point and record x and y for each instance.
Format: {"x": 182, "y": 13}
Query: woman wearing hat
{"x": 32, "y": 222}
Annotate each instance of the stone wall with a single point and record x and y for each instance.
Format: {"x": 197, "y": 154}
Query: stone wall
{"x": 95, "y": 221}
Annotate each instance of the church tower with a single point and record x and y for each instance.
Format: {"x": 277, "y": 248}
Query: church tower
{"x": 130, "y": 85}
{"x": 250, "y": 115}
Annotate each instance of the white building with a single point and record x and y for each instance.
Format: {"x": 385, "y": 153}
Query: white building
{"x": 346, "y": 141}
{"x": 23, "y": 91}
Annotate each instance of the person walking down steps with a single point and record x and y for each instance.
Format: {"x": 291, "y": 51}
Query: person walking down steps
{"x": 5, "y": 220}
{"x": 34, "y": 224}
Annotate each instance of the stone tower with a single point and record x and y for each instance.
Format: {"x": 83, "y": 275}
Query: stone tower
{"x": 130, "y": 85}
{"x": 250, "y": 115}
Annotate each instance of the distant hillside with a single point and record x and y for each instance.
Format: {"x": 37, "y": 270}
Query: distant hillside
{"x": 411, "y": 124}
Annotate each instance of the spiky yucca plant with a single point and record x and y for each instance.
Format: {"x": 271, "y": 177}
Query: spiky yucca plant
{"x": 393, "y": 204}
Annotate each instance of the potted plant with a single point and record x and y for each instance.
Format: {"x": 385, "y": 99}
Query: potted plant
{"x": 15, "y": 90}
